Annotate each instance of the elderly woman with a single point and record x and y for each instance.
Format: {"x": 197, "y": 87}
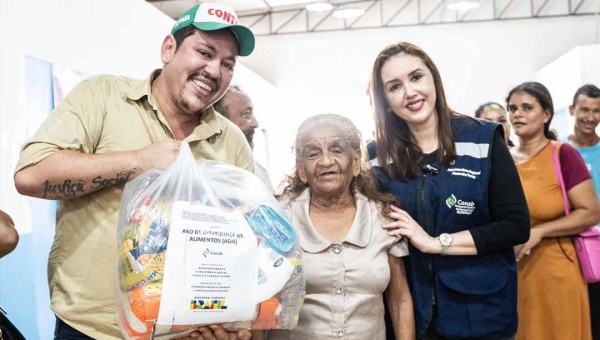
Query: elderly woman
{"x": 349, "y": 260}
{"x": 463, "y": 207}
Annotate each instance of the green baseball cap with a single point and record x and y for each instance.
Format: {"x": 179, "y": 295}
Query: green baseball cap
{"x": 213, "y": 17}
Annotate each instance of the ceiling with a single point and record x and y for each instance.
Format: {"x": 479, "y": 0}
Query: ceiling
{"x": 270, "y": 17}
{"x": 174, "y": 8}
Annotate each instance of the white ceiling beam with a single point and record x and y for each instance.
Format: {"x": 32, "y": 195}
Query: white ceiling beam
{"x": 503, "y": 11}
{"x": 437, "y": 7}
{"x": 539, "y": 10}
{"x": 432, "y": 12}
{"x": 294, "y": 16}
{"x": 298, "y": 20}
{"x": 531, "y": 7}
{"x": 267, "y": 4}
{"x": 325, "y": 18}
{"x": 367, "y": 10}
{"x": 464, "y": 16}
{"x": 442, "y": 14}
{"x": 258, "y": 20}
{"x": 579, "y": 6}
{"x": 381, "y": 15}
{"x": 398, "y": 12}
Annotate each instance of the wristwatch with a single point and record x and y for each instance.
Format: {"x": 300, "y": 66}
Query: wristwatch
{"x": 446, "y": 241}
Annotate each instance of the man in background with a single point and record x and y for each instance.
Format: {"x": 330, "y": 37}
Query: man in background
{"x": 109, "y": 130}
{"x": 237, "y": 106}
{"x": 586, "y": 111}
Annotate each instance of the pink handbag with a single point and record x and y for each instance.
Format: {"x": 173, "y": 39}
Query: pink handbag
{"x": 587, "y": 243}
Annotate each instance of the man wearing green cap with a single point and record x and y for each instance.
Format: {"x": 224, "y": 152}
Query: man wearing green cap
{"x": 108, "y": 131}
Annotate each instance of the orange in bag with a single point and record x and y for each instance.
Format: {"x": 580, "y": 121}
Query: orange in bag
{"x": 131, "y": 326}
{"x": 267, "y": 314}
{"x": 145, "y": 301}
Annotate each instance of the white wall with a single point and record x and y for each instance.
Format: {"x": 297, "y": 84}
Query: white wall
{"x": 590, "y": 64}
{"x": 109, "y": 36}
{"x": 328, "y": 72}
{"x": 563, "y": 76}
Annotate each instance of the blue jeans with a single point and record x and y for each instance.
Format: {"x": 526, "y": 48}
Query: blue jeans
{"x": 66, "y": 332}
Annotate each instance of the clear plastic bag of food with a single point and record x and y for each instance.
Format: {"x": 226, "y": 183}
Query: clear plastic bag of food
{"x": 204, "y": 244}
{"x": 281, "y": 287}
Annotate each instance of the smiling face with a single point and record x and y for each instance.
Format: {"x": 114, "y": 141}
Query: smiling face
{"x": 409, "y": 89}
{"x": 497, "y": 115}
{"x": 587, "y": 114}
{"x": 327, "y": 162}
{"x": 200, "y": 70}
{"x": 527, "y": 115}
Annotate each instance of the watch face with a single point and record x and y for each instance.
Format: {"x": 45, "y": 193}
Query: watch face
{"x": 445, "y": 239}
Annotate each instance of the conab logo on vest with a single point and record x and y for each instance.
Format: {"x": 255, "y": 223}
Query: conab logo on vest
{"x": 462, "y": 207}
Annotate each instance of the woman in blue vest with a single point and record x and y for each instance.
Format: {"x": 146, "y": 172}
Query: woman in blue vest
{"x": 463, "y": 207}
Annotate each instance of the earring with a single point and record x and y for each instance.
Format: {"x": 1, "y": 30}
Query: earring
{"x": 389, "y": 110}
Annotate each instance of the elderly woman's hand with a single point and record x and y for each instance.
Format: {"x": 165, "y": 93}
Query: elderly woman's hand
{"x": 216, "y": 332}
{"x": 404, "y": 225}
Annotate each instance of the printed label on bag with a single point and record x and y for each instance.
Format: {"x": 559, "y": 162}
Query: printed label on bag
{"x": 211, "y": 267}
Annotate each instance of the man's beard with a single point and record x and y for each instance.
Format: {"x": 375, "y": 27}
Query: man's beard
{"x": 249, "y": 137}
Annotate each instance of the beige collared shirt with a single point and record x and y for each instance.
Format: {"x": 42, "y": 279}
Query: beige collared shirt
{"x": 344, "y": 282}
{"x": 101, "y": 115}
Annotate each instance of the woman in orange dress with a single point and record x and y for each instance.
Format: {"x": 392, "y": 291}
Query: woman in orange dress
{"x": 553, "y": 298}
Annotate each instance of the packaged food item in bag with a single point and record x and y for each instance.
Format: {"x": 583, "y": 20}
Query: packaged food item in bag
{"x": 201, "y": 245}
{"x": 279, "y": 251}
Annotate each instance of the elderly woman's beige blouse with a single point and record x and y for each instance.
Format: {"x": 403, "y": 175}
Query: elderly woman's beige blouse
{"x": 345, "y": 281}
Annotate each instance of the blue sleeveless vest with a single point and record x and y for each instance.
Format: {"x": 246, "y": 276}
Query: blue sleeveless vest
{"x": 476, "y": 296}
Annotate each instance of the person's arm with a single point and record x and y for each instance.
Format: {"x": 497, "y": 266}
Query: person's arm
{"x": 405, "y": 225}
{"x": 508, "y": 210}
{"x": 584, "y": 211}
{"x": 68, "y": 174}
{"x": 399, "y": 301}
{"x": 9, "y": 237}
{"x": 508, "y": 206}
{"x": 60, "y": 160}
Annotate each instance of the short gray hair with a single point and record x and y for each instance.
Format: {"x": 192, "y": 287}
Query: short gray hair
{"x": 350, "y": 133}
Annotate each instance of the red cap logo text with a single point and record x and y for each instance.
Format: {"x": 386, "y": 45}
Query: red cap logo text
{"x": 223, "y": 15}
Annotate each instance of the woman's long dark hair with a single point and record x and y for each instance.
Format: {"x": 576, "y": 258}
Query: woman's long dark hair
{"x": 542, "y": 95}
{"x": 395, "y": 142}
